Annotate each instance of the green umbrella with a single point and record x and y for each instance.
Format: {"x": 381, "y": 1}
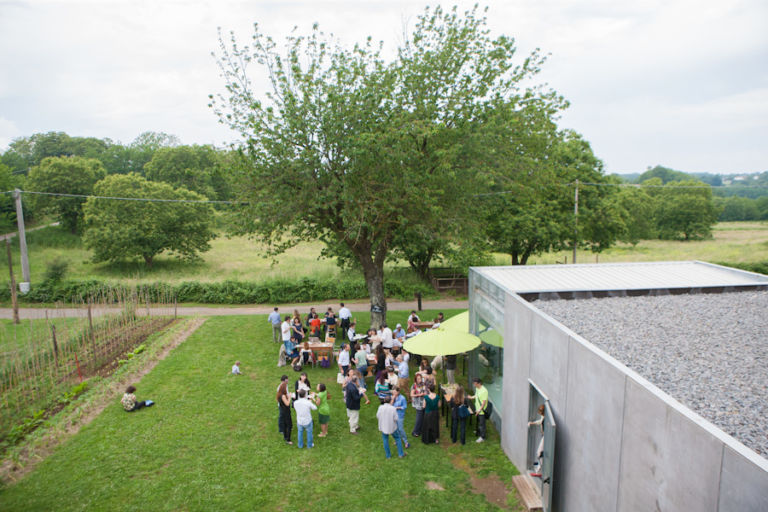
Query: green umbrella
{"x": 458, "y": 322}
{"x": 442, "y": 342}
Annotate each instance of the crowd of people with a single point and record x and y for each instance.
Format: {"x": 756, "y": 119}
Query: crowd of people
{"x": 378, "y": 355}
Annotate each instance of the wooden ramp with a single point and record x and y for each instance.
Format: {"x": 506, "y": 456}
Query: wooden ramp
{"x": 529, "y": 492}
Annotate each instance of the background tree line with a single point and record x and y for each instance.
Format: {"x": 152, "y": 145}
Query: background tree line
{"x": 154, "y": 166}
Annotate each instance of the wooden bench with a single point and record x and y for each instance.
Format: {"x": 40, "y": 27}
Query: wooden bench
{"x": 529, "y": 492}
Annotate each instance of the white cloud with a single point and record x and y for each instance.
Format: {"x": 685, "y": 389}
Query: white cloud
{"x": 647, "y": 80}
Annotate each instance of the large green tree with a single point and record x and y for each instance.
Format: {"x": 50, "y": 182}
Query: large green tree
{"x": 685, "y": 210}
{"x": 529, "y": 208}
{"x": 118, "y": 229}
{"x": 196, "y": 168}
{"x": 348, "y": 147}
{"x": 63, "y": 175}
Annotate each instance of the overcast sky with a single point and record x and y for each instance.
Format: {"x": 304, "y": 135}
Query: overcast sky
{"x": 673, "y": 82}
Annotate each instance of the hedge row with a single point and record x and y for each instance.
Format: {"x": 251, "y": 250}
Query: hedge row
{"x": 227, "y": 292}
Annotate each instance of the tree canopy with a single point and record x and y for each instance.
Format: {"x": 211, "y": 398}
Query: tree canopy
{"x": 117, "y": 230}
{"x": 195, "y": 168}
{"x": 352, "y": 150}
{"x": 64, "y": 175}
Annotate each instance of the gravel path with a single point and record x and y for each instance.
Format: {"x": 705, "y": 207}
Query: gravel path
{"x": 708, "y": 351}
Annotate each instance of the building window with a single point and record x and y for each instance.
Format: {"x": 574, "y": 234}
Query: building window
{"x": 489, "y": 362}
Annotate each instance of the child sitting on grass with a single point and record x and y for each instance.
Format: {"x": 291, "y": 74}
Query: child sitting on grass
{"x": 236, "y": 368}
{"x": 129, "y": 400}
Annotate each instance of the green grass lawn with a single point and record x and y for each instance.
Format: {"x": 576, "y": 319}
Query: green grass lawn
{"x": 243, "y": 259}
{"x": 211, "y": 443}
{"x": 737, "y": 242}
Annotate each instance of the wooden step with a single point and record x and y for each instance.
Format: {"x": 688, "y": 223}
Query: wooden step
{"x": 529, "y": 492}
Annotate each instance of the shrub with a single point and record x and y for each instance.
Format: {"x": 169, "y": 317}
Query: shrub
{"x": 279, "y": 291}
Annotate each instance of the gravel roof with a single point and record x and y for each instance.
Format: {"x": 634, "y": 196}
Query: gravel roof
{"x": 708, "y": 351}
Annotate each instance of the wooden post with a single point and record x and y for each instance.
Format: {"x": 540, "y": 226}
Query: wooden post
{"x": 22, "y": 236}
{"x": 175, "y": 307}
{"x": 14, "y": 300}
{"x": 91, "y": 332}
{"x": 55, "y": 345}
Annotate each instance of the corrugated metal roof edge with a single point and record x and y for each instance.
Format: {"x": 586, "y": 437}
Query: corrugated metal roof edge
{"x": 761, "y": 281}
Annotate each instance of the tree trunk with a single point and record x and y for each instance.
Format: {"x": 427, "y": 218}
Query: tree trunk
{"x": 148, "y": 260}
{"x": 420, "y": 265}
{"x": 515, "y": 258}
{"x": 373, "y": 271}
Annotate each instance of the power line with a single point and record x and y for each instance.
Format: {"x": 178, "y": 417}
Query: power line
{"x": 144, "y": 199}
{"x": 633, "y": 185}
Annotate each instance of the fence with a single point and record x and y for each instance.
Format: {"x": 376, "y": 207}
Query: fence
{"x": 42, "y": 359}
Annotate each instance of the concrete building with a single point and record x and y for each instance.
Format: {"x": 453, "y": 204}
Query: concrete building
{"x": 620, "y": 443}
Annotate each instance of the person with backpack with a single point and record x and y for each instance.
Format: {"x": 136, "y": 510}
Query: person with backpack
{"x": 459, "y": 414}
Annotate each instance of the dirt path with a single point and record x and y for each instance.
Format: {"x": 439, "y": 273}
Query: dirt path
{"x": 37, "y": 313}
{"x": 13, "y": 468}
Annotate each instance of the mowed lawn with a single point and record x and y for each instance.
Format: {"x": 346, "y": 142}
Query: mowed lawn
{"x": 211, "y": 443}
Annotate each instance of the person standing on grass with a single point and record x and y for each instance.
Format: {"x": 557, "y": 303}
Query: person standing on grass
{"x": 400, "y": 404}
{"x": 402, "y": 375}
{"x": 350, "y": 333}
{"x": 284, "y": 423}
{"x": 417, "y": 401}
{"x": 361, "y": 360}
{"x": 387, "y": 340}
{"x": 387, "y": 416}
{"x": 459, "y": 415}
{"x": 323, "y": 409}
{"x": 481, "y": 403}
{"x": 450, "y": 368}
{"x": 344, "y": 359}
{"x": 345, "y": 317}
{"x": 431, "y": 430}
{"x": 352, "y": 401}
{"x": 304, "y": 409}
{"x": 274, "y": 319}
{"x": 285, "y": 329}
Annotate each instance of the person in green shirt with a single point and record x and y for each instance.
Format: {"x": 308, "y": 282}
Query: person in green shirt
{"x": 481, "y": 404}
{"x": 323, "y": 409}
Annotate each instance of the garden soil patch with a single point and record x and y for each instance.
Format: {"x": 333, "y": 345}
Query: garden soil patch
{"x": 491, "y": 486}
{"x": 12, "y": 470}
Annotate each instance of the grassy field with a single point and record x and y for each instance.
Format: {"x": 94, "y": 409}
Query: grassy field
{"x": 243, "y": 259}
{"x": 211, "y": 443}
{"x": 737, "y": 242}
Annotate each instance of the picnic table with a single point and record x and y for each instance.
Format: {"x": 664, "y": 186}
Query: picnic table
{"x": 320, "y": 349}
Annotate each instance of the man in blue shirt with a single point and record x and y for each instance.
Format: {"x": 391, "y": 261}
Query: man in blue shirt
{"x": 400, "y": 404}
{"x": 274, "y": 319}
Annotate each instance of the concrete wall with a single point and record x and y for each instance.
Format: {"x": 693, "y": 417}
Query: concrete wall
{"x": 622, "y": 444}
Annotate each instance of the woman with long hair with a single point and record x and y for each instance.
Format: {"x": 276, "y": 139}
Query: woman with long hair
{"x": 459, "y": 415}
{"x": 418, "y": 392}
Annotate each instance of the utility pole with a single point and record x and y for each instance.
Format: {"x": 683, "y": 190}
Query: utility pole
{"x": 24, "y": 285}
{"x": 575, "y": 219}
